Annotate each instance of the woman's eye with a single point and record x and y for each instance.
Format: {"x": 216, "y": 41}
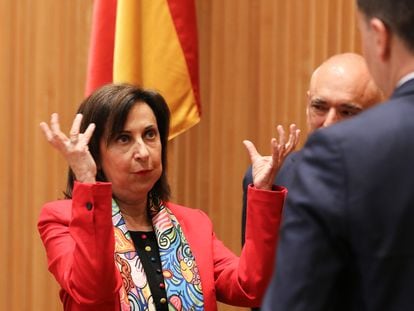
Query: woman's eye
{"x": 123, "y": 138}
{"x": 150, "y": 134}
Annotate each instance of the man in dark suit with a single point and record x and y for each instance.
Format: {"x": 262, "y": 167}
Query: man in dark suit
{"x": 339, "y": 88}
{"x": 347, "y": 238}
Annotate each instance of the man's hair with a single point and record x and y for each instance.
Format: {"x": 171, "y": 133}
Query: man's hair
{"x": 108, "y": 107}
{"x": 398, "y": 15}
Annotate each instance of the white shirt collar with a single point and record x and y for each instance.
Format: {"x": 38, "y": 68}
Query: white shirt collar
{"x": 406, "y": 78}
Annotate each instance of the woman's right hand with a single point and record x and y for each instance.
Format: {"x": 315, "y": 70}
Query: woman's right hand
{"x": 74, "y": 148}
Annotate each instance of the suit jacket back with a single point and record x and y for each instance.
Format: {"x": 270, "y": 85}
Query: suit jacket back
{"x": 347, "y": 239}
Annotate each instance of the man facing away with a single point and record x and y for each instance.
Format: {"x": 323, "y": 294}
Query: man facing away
{"x": 347, "y": 238}
{"x": 339, "y": 88}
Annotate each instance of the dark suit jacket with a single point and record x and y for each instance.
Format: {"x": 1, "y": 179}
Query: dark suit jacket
{"x": 347, "y": 237}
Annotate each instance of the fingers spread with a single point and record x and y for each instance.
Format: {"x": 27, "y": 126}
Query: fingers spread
{"x": 59, "y": 140}
{"x": 275, "y": 152}
{"x": 74, "y": 131}
{"x": 57, "y": 137}
{"x": 88, "y": 133}
{"x": 295, "y": 133}
{"x": 54, "y": 123}
{"x": 251, "y": 149}
{"x": 46, "y": 131}
{"x": 297, "y": 136}
{"x": 290, "y": 145}
{"x": 282, "y": 135}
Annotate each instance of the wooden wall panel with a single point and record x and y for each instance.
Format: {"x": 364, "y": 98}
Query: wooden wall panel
{"x": 256, "y": 58}
{"x": 43, "y": 56}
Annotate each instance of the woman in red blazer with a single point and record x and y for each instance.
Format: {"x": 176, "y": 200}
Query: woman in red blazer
{"x": 116, "y": 243}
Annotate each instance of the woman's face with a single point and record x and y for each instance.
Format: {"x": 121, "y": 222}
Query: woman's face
{"x": 132, "y": 161}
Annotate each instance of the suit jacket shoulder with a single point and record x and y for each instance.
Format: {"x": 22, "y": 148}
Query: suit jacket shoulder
{"x": 349, "y": 216}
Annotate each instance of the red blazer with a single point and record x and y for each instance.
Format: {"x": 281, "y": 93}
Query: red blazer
{"x": 79, "y": 241}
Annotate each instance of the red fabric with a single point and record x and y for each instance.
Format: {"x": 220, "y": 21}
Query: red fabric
{"x": 101, "y": 53}
{"x": 80, "y": 246}
{"x": 80, "y": 249}
{"x": 183, "y": 14}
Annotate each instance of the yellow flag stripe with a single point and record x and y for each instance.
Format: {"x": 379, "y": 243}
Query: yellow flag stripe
{"x": 148, "y": 53}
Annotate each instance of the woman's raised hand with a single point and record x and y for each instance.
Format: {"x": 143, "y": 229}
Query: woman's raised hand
{"x": 265, "y": 168}
{"x": 74, "y": 148}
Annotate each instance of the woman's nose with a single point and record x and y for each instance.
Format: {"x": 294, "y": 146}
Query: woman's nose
{"x": 140, "y": 151}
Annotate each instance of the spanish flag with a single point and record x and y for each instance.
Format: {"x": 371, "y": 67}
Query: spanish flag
{"x": 151, "y": 43}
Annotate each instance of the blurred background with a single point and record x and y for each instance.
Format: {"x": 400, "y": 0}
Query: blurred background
{"x": 255, "y": 60}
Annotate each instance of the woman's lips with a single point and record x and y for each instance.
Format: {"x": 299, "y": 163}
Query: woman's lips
{"x": 143, "y": 172}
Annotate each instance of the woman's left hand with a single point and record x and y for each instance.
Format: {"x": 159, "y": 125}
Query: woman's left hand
{"x": 265, "y": 168}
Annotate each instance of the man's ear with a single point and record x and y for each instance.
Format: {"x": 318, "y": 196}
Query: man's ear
{"x": 382, "y": 38}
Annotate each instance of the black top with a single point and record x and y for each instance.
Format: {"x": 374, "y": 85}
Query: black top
{"x": 147, "y": 249}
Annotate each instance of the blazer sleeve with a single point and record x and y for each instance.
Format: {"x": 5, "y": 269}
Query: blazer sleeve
{"x": 312, "y": 247}
{"x": 79, "y": 243}
{"x": 242, "y": 281}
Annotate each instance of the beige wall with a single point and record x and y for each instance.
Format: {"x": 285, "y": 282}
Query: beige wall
{"x": 256, "y": 57}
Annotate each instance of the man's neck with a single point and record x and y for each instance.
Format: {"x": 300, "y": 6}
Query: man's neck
{"x": 402, "y": 63}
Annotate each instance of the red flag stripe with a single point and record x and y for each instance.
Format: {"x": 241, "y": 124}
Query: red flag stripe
{"x": 183, "y": 14}
{"x": 101, "y": 53}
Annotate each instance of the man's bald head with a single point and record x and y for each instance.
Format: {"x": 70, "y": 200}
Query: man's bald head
{"x": 340, "y": 88}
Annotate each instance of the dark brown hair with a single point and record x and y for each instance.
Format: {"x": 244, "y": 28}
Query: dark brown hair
{"x": 398, "y": 15}
{"x": 108, "y": 107}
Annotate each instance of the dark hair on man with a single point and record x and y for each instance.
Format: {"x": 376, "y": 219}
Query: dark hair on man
{"x": 398, "y": 15}
{"x": 108, "y": 107}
